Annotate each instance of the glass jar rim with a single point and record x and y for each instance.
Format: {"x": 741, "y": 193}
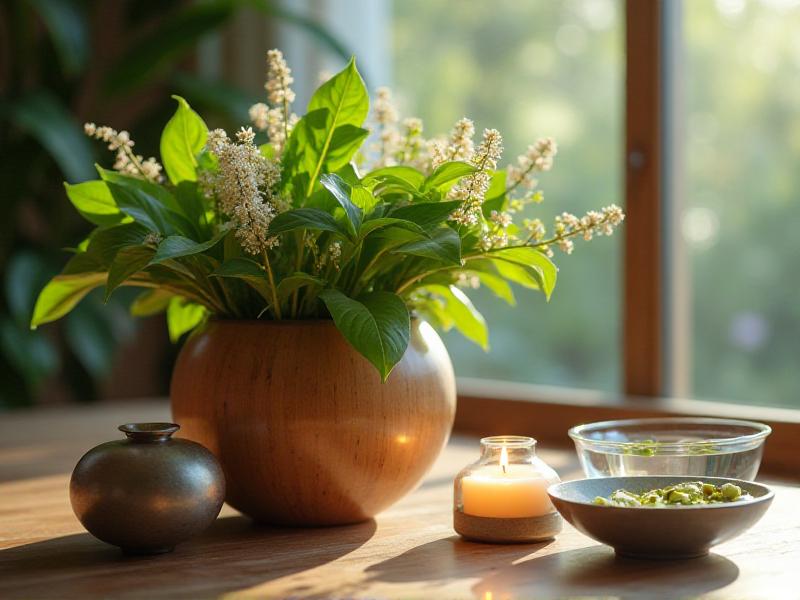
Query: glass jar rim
{"x": 508, "y": 441}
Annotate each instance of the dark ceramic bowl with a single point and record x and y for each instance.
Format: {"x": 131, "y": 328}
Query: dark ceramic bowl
{"x": 659, "y": 533}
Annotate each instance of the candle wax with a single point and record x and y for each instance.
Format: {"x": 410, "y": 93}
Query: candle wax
{"x": 517, "y": 492}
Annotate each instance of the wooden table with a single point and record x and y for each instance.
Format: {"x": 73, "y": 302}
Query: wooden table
{"x": 409, "y": 551}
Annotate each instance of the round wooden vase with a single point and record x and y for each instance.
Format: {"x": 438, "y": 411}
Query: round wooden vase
{"x": 306, "y": 432}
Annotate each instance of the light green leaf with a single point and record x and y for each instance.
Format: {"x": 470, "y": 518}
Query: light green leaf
{"x": 363, "y": 198}
{"x": 341, "y": 191}
{"x": 446, "y": 174}
{"x": 466, "y": 317}
{"x": 62, "y": 294}
{"x": 176, "y": 246}
{"x": 183, "y": 316}
{"x": 345, "y": 142}
{"x": 408, "y": 175}
{"x": 127, "y": 263}
{"x": 344, "y": 95}
{"x": 496, "y": 284}
{"x": 533, "y": 259}
{"x": 151, "y": 302}
{"x": 306, "y": 218}
{"x": 377, "y": 325}
{"x": 444, "y": 245}
{"x": 519, "y": 274}
{"x": 496, "y": 194}
{"x": 93, "y": 200}
{"x": 181, "y": 141}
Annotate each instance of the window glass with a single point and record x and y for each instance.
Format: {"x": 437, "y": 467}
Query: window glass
{"x": 532, "y": 69}
{"x": 741, "y": 193}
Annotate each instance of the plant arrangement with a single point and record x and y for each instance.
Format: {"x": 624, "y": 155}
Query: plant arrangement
{"x": 323, "y": 218}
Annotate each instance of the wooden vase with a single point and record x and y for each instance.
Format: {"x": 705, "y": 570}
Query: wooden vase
{"x": 306, "y": 432}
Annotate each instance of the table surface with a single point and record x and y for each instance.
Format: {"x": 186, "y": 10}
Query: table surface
{"x": 409, "y": 551}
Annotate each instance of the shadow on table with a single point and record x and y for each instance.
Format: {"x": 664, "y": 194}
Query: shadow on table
{"x": 597, "y": 571}
{"x": 234, "y": 554}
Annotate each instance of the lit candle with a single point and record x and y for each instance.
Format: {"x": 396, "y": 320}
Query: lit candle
{"x": 505, "y": 490}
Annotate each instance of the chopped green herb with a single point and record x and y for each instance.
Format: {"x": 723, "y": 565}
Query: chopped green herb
{"x": 683, "y": 494}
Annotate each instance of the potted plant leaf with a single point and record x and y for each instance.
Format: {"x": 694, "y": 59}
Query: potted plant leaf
{"x": 311, "y": 267}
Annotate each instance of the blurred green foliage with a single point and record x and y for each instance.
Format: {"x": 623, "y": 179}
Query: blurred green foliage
{"x": 532, "y": 69}
{"x": 63, "y": 62}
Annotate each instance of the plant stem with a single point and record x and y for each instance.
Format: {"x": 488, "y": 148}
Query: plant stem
{"x": 276, "y": 304}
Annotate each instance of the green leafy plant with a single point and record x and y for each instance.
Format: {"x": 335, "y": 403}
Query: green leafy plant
{"x": 322, "y": 220}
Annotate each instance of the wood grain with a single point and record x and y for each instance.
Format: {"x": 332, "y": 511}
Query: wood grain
{"x": 306, "y": 432}
{"x": 409, "y": 551}
{"x": 643, "y": 334}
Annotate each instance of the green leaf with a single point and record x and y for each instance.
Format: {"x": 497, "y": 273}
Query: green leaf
{"x": 496, "y": 284}
{"x": 306, "y": 218}
{"x": 67, "y": 25}
{"x": 62, "y": 294}
{"x": 426, "y": 214}
{"x": 496, "y": 194}
{"x": 176, "y": 246}
{"x": 363, "y": 198}
{"x": 93, "y": 200}
{"x": 345, "y": 96}
{"x": 447, "y": 173}
{"x": 147, "y": 210}
{"x": 48, "y": 121}
{"x": 150, "y": 302}
{"x": 183, "y": 316}
{"x": 330, "y": 133}
{"x": 104, "y": 243}
{"x": 444, "y": 245}
{"x": 466, "y": 317}
{"x": 248, "y": 271}
{"x": 159, "y": 192}
{"x": 409, "y": 176}
{"x": 341, "y": 191}
{"x": 377, "y": 325}
{"x": 181, "y": 141}
{"x": 295, "y": 281}
{"x": 376, "y": 224}
{"x": 127, "y": 263}
{"x": 533, "y": 259}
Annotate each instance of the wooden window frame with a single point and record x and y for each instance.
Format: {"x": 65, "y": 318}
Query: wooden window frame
{"x": 654, "y": 354}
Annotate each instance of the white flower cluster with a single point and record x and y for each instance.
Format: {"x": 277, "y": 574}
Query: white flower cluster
{"x": 568, "y": 225}
{"x": 472, "y": 189}
{"x": 396, "y": 144}
{"x": 538, "y": 158}
{"x": 243, "y": 187}
{"x": 278, "y": 121}
{"x": 127, "y": 161}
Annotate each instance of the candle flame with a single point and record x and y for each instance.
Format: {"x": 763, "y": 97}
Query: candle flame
{"x": 504, "y": 458}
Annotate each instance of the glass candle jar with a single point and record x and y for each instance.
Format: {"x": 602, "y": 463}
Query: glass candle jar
{"x": 502, "y": 497}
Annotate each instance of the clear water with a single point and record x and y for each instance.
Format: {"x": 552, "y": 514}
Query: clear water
{"x": 741, "y": 464}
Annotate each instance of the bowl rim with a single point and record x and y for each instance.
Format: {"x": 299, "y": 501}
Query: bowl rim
{"x": 766, "y": 497}
{"x": 762, "y": 431}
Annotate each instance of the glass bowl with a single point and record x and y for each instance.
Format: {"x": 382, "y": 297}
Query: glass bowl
{"x": 671, "y": 446}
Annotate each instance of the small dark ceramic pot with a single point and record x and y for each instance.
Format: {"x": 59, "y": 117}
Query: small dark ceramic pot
{"x": 148, "y": 492}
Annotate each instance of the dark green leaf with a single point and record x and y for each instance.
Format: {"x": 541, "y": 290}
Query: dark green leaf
{"x": 159, "y": 192}
{"x": 345, "y": 142}
{"x": 247, "y": 270}
{"x": 306, "y": 218}
{"x": 67, "y": 25}
{"x": 377, "y": 325}
{"x": 176, "y": 246}
{"x": 43, "y": 116}
{"x": 376, "y": 224}
{"x": 295, "y": 281}
{"x": 148, "y": 211}
{"x": 181, "y": 141}
{"x": 426, "y": 214}
{"x": 127, "y": 263}
{"x": 444, "y": 245}
{"x": 341, "y": 191}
